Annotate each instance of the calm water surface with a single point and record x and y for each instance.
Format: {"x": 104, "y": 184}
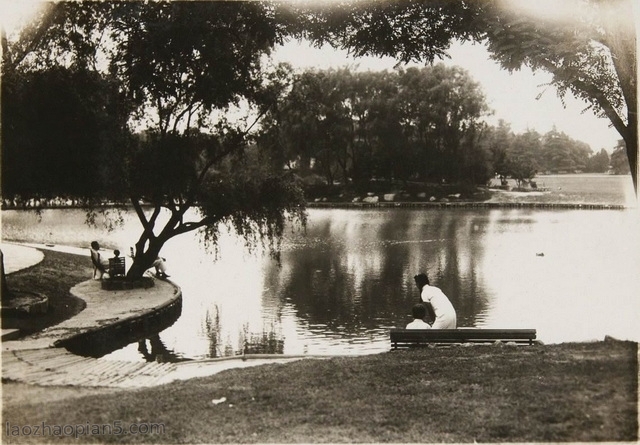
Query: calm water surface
{"x": 345, "y": 280}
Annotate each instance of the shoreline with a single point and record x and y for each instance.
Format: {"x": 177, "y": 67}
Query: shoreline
{"x": 469, "y": 205}
{"x": 74, "y": 335}
{"x": 387, "y": 204}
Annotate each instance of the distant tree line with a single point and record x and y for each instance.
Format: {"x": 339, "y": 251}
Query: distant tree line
{"x": 425, "y": 124}
{"x": 414, "y": 123}
{"x": 590, "y": 54}
{"x": 521, "y": 156}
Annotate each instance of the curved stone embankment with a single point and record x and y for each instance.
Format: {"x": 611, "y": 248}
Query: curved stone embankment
{"x": 134, "y": 314}
{"x": 105, "y": 311}
{"x": 110, "y": 317}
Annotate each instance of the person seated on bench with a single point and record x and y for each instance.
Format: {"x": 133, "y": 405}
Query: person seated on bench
{"x": 100, "y": 265}
{"x": 419, "y": 312}
{"x": 444, "y": 312}
{"x": 117, "y": 265}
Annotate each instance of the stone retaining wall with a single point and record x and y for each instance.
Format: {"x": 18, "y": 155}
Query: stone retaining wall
{"x": 105, "y": 339}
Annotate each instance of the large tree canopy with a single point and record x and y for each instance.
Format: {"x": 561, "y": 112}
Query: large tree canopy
{"x": 63, "y": 134}
{"x": 590, "y": 51}
{"x": 402, "y": 125}
{"x": 177, "y": 68}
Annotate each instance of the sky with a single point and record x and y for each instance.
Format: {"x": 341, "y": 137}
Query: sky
{"x": 512, "y": 96}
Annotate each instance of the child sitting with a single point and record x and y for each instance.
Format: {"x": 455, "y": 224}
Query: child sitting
{"x": 418, "y": 312}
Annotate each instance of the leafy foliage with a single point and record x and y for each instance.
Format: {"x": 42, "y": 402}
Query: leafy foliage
{"x": 178, "y": 57}
{"x": 177, "y": 68}
{"x": 619, "y": 163}
{"x": 522, "y": 163}
{"x": 64, "y": 134}
{"x": 351, "y": 126}
{"x": 598, "y": 163}
{"x": 591, "y": 54}
{"x": 407, "y": 30}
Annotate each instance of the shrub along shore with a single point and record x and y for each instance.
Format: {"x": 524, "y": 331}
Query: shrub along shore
{"x": 567, "y": 392}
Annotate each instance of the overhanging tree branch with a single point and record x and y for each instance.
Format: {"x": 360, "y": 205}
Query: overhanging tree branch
{"x": 53, "y": 13}
{"x": 233, "y": 145}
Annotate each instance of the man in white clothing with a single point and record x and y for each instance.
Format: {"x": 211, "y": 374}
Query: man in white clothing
{"x": 443, "y": 310}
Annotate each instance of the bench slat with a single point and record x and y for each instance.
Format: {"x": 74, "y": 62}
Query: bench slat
{"x": 416, "y": 337}
{"x": 116, "y": 267}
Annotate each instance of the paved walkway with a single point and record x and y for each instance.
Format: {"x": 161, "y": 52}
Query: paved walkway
{"x": 35, "y": 360}
{"x": 17, "y": 257}
{"x": 57, "y": 366}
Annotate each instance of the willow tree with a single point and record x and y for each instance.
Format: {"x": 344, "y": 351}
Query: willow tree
{"x": 179, "y": 67}
{"x": 589, "y": 46}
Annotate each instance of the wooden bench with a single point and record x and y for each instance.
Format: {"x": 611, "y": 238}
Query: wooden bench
{"x": 407, "y": 338}
{"x": 116, "y": 267}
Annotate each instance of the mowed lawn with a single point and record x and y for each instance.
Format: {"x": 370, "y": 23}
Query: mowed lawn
{"x": 568, "y": 392}
{"x": 577, "y": 189}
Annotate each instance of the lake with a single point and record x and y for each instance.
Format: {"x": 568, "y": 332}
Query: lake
{"x": 348, "y": 277}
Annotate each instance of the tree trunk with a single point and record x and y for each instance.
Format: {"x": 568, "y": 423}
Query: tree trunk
{"x": 143, "y": 260}
{"x": 631, "y": 143}
{"x": 5, "y": 286}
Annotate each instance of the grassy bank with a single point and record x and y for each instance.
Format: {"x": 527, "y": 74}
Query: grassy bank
{"x": 569, "y": 392}
{"x": 53, "y": 277}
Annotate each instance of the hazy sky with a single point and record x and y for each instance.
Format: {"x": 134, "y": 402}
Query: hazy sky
{"x": 511, "y": 96}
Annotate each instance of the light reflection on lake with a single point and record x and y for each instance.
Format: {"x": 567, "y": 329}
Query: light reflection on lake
{"x": 347, "y": 279}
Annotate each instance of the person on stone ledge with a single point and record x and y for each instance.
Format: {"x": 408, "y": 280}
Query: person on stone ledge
{"x": 445, "y": 314}
{"x": 160, "y": 265}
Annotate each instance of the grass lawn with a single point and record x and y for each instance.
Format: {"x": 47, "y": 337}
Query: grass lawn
{"x": 556, "y": 393}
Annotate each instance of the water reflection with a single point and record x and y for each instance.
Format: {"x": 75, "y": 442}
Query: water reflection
{"x": 355, "y": 272}
{"x": 156, "y": 351}
{"x": 211, "y": 329}
{"x": 347, "y": 279}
